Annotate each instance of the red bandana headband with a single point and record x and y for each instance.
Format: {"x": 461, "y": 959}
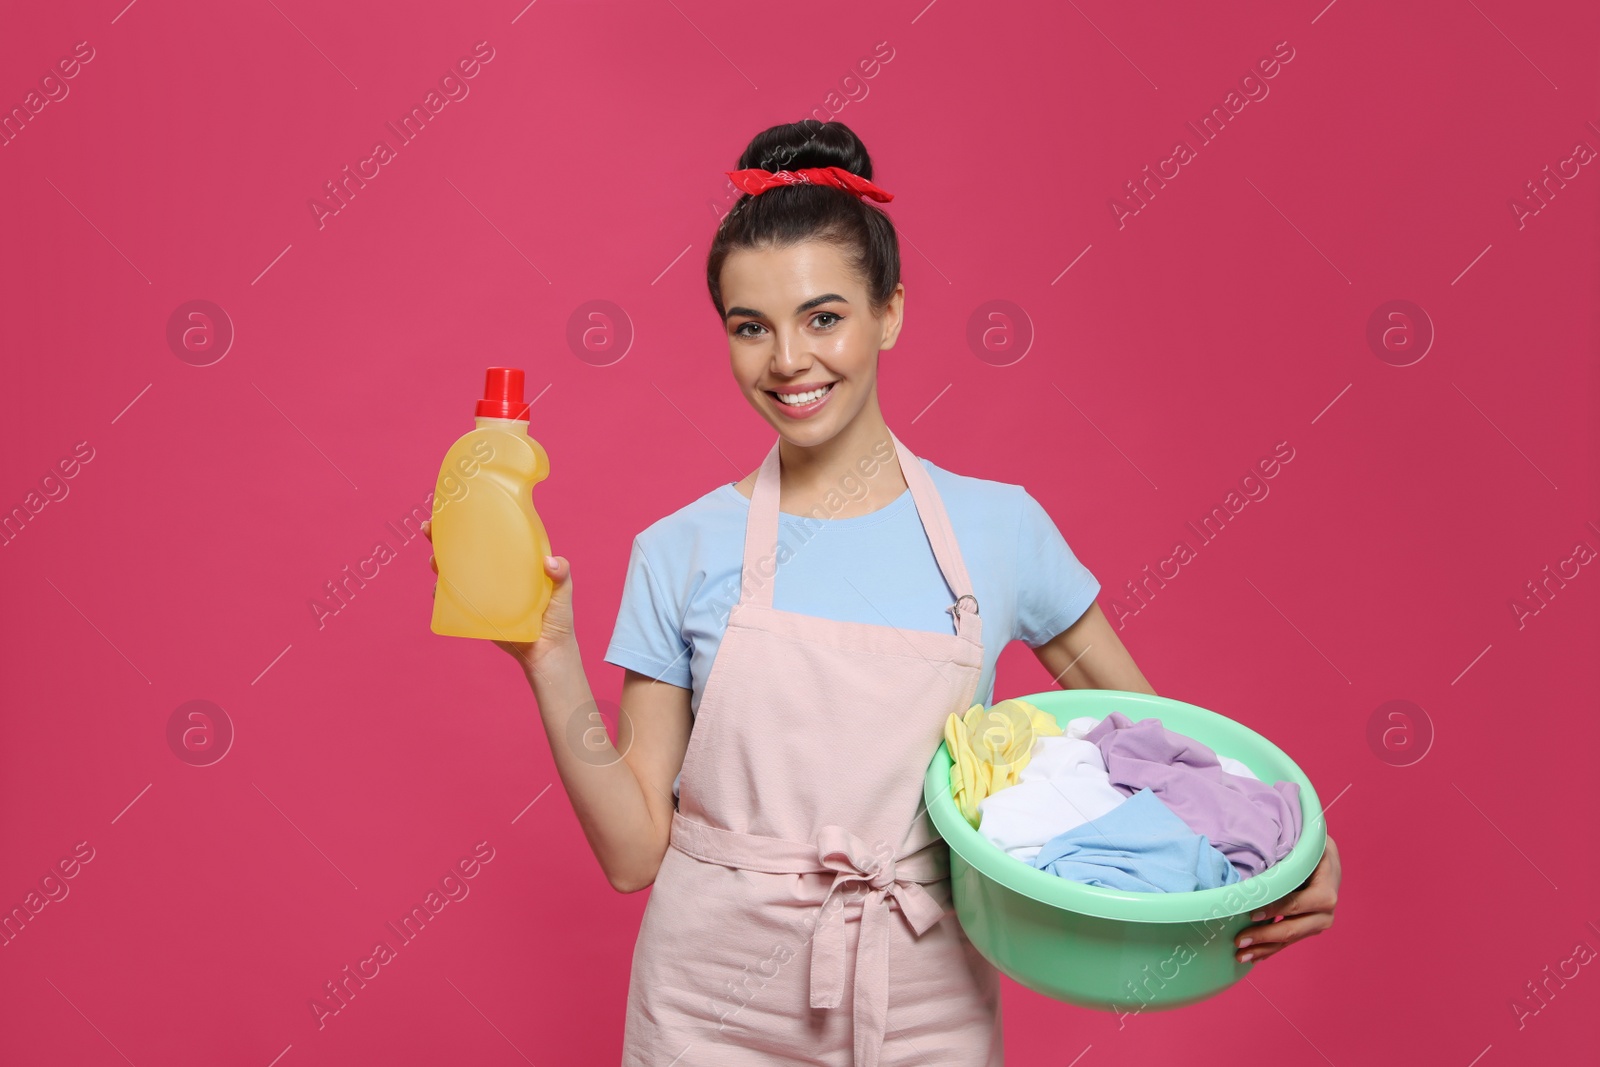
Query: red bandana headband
{"x": 756, "y": 181}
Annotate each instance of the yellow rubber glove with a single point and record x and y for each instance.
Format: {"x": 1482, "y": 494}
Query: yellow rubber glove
{"x": 990, "y": 747}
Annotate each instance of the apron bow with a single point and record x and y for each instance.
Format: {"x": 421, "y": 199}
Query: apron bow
{"x": 869, "y": 876}
{"x": 857, "y": 864}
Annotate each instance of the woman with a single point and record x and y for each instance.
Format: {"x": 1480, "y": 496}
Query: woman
{"x": 801, "y": 908}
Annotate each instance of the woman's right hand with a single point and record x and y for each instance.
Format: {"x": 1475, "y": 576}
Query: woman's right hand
{"x": 556, "y": 630}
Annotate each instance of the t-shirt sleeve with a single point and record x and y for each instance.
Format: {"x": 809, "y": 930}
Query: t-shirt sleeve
{"x": 648, "y": 637}
{"x": 1053, "y": 588}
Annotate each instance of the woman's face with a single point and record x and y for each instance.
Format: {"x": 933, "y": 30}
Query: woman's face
{"x": 798, "y": 321}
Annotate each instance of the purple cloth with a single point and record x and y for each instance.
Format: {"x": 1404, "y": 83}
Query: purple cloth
{"x": 1252, "y": 823}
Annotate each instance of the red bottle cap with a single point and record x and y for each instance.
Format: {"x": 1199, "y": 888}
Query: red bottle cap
{"x": 502, "y": 395}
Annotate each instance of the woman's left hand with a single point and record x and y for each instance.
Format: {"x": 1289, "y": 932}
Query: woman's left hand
{"x": 1306, "y": 911}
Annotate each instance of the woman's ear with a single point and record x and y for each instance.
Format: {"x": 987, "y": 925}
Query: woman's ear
{"x": 893, "y": 316}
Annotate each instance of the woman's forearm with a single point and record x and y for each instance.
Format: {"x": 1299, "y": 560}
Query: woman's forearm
{"x": 605, "y": 793}
{"x": 1089, "y": 655}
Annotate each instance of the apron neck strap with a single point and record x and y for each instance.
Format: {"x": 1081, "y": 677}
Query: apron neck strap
{"x": 761, "y": 547}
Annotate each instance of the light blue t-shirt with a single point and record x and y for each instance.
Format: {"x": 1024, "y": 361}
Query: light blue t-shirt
{"x": 878, "y": 568}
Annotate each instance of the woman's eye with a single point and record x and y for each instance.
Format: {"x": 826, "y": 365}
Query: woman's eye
{"x": 739, "y": 331}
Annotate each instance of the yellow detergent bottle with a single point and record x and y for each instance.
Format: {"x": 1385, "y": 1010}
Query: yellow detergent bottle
{"x": 488, "y": 541}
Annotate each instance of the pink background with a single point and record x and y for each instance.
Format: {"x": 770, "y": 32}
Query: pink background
{"x": 1164, "y": 357}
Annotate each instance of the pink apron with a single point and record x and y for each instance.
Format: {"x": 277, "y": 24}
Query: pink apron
{"x": 802, "y": 913}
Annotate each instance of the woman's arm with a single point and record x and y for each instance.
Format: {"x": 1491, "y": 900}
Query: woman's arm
{"x": 623, "y": 800}
{"x": 1089, "y": 655}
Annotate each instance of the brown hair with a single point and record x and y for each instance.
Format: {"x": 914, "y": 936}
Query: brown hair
{"x": 779, "y": 218}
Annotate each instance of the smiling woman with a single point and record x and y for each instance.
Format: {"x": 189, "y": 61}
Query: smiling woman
{"x": 818, "y": 700}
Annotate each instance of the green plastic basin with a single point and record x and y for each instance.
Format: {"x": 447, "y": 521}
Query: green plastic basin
{"x": 1110, "y": 949}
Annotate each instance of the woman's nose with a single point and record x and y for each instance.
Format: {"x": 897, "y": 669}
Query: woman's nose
{"x": 789, "y": 354}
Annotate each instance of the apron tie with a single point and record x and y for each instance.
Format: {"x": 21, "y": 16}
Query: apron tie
{"x": 852, "y": 862}
{"x": 842, "y": 851}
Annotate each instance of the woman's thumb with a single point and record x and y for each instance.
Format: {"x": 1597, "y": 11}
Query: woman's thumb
{"x": 558, "y": 568}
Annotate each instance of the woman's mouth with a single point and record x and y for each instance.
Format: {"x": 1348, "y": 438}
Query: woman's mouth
{"x": 803, "y": 404}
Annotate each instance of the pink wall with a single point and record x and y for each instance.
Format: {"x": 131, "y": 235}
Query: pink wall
{"x": 1170, "y": 350}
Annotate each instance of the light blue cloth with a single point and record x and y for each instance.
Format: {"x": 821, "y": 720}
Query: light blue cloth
{"x": 684, "y": 569}
{"x": 1139, "y": 845}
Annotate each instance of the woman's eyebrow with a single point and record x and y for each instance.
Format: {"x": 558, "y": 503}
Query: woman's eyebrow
{"x": 825, "y": 298}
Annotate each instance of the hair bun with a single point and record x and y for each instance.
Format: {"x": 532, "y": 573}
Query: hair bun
{"x": 808, "y": 143}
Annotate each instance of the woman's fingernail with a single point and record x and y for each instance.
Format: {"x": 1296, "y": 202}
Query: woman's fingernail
{"x": 1258, "y": 915}
{"x": 1245, "y": 958}
{"x": 1245, "y": 942}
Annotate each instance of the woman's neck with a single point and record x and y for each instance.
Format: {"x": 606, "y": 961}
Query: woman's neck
{"x": 855, "y": 472}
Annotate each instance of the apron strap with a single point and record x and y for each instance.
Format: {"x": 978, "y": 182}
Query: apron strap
{"x": 936, "y": 522}
{"x": 761, "y": 533}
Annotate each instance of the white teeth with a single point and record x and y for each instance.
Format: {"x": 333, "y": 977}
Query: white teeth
{"x": 796, "y": 399}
